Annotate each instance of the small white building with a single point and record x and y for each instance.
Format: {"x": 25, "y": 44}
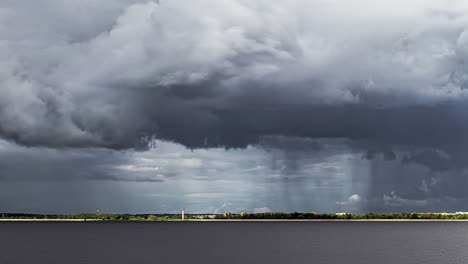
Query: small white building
{"x": 341, "y": 213}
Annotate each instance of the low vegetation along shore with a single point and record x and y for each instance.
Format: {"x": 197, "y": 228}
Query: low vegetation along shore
{"x": 238, "y": 217}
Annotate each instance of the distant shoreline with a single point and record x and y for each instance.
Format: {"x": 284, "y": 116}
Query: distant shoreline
{"x": 50, "y": 220}
{"x": 243, "y": 220}
{"x": 331, "y": 220}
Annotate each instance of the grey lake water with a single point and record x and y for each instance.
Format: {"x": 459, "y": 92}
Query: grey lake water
{"x": 234, "y": 242}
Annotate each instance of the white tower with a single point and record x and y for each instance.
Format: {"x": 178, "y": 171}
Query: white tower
{"x": 183, "y": 213}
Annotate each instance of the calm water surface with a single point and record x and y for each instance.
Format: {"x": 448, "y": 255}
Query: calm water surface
{"x": 231, "y": 242}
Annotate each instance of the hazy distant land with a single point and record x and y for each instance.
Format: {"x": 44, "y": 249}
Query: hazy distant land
{"x": 460, "y": 216}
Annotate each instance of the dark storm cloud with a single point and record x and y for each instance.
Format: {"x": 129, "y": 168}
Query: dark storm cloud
{"x": 126, "y": 72}
{"x": 290, "y": 144}
{"x": 432, "y": 159}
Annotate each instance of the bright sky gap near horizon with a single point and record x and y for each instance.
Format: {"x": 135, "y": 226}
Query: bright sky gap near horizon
{"x": 132, "y": 106}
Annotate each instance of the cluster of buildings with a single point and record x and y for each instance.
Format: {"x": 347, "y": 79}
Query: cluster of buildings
{"x": 229, "y": 214}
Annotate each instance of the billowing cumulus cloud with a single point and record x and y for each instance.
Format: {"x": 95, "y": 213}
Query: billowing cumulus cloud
{"x": 119, "y": 74}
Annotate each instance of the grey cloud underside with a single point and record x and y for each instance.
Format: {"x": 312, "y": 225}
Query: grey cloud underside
{"x": 248, "y": 118}
{"x": 47, "y": 165}
{"x": 237, "y": 122}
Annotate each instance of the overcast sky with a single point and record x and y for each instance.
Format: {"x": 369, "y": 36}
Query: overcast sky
{"x": 132, "y": 106}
